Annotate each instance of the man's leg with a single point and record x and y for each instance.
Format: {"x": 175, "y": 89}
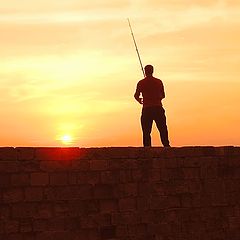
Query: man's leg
{"x": 160, "y": 120}
{"x": 146, "y": 122}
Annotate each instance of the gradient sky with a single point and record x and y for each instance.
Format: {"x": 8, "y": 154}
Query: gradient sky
{"x": 69, "y": 67}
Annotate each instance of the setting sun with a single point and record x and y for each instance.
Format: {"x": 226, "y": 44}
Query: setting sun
{"x": 66, "y": 139}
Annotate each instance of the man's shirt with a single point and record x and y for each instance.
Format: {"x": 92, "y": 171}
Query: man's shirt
{"x": 152, "y": 91}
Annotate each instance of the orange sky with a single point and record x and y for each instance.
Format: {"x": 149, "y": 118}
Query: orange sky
{"x": 69, "y": 68}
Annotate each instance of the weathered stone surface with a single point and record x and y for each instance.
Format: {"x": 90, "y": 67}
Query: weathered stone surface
{"x": 120, "y": 193}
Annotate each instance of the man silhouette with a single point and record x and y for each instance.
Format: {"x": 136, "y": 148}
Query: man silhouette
{"x": 152, "y": 91}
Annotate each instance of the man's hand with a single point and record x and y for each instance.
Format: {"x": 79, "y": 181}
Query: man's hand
{"x": 140, "y": 100}
{"x": 137, "y": 95}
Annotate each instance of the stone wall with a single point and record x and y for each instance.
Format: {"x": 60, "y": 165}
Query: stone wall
{"x": 188, "y": 193}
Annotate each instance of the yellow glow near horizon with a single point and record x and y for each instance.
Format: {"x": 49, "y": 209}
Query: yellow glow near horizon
{"x": 66, "y": 139}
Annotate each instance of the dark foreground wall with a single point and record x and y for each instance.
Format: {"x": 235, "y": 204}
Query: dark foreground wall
{"x": 190, "y": 193}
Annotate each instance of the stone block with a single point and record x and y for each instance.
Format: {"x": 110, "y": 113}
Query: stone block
{"x": 59, "y": 179}
{"x": 5, "y": 180}
{"x": 108, "y": 232}
{"x": 9, "y": 166}
{"x": 127, "y": 204}
{"x": 8, "y": 154}
{"x": 33, "y": 194}
{"x": 108, "y": 205}
{"x": 24, "y": 210}
{"x": 39, "y": 179}
{"x": 20, "y": 179}
{"x": 25, "y": 153}
{"x": 81, "y": 165}
{"x": 98, "y": 165}
{"x": 103, "y": 191}
{"x": 13, "y": 195}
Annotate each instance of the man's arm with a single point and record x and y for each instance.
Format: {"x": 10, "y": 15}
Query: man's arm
{"x": 137, "y": 95}
{"x": 162, "y": 91}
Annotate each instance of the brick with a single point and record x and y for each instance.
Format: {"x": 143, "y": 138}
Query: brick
{"x": 126, "y": 176}
{"x": 115, "y": 164}
{"x": 59, "y": 154}
{"x": 88, "y": 222}
{"x": 130, "y": 217}
{"x": 98, "y": 165}
{"x": 57, "y": 165}
{"x": 28, "y": 235}
{"x": 55, "y": 235}
{"x": 84, "y": 177}
{"x": 25, "y": 153}
{"x": 58, "y": 179}
{"x": 39, "y": 179}
{"x": 24, "y": 210}
{"x": 130, "y": 163}
{"x": 79, "y": 207}
{"x": 161, "y": 152}
{"x": 81, "y": 192}
{"x": 194, "y": 186}
{"x": 94, "y": 234}
{"x": 61, "y": 209}
{"x": 137, "y": 230}
{"x": 210, "y": 172}
{"x": 29, "y": 166}
{"x": 108, "y": 177}
{"x": 40, "y": 225}
{"x": 192, "y": 162}
{"x": 142, "y": 203}
{"x": 159, "y": 189}
{"x": 12, "y": 236}
{"x": 13, "y": 195}
{"x": 8, "y": 153}
{"x": 137, "y": 175}
{"x": 103, "y": 219}
{"x": 4, "y": 211}
{"x": 56, "y": 224}
{"x": 11, "y": 227}
{"x": 191, "y": 173}
{"x": 131, "y": 189}
{"x": 155, "y": 175}
{"x": 33, "y": 194}
{"x": 158, "y": 202}
{"x": 26, "y": 226}
{"x": 103, "y": 191}
{"x": 108, "y": 232}
{"x": 48, "y": 154}
{"x": 20, "y": 179}
{"x": 43, "y": 211}
{"x": 188, "y": 151}
{"x": 5, "y": 180}
{"x": 9, "y": 166}
{"x": 81, "y": 165}
{"x": 158, "y": 163}
{"x": 72, "y": 178}
{"x": 108, "y": 205}
{"x": 72, "y": 224}
{"x": 174, "y": 173}
{"x": 174, "y": 202}
{"x": 121, "y": 231}
{"x": 127, "y": 204}
{"x": 91, "y": 206}
{"x": 72, "y": 153}
{"x": 145, "y": 189}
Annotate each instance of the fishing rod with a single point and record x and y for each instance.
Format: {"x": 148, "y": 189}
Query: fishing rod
{"x": 135, "y": 44}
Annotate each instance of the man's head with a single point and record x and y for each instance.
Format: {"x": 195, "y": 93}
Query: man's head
{"x": 148, "y": 70}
